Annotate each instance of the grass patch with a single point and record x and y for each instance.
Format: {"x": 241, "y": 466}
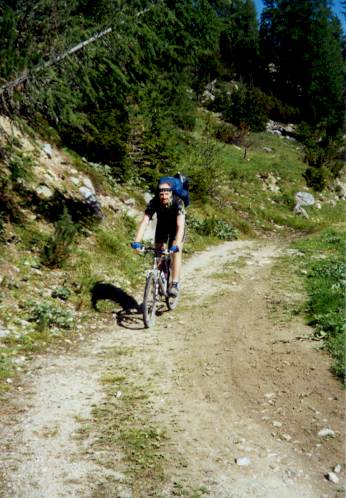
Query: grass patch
{"x": 179, "y": 489}
{"x": 124, "y": 434}
{"x": 324, "y": 266}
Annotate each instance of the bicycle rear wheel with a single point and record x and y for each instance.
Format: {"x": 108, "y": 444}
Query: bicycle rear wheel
{"x": 150, "y": 301}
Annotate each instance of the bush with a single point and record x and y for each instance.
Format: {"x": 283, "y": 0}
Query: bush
{"x": 227, "y": 133}
{"x": 45, "y": 315}
{"x": 242, "y": 105}
{"x": 20, "y": 167}
{"x": 214, "y": 227}
{"x": 58, "y": 247}
{"x": 321, "y": 153}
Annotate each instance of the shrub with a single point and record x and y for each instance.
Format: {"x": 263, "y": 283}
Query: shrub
{"x": 46, "y": 315}
{"x": 214, "y": 227}
{"x": 20, "y": 167}
{"x": 226, "y": 133}
{"x": 242, "y": 105}
{"x": 321, "y": 153}
{"x": 61, "y": 293}
{"x": 59, "y": 245}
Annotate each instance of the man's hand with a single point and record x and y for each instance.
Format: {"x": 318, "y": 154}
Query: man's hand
{"x": 137, "y": 246}
{"x": 174, "y": 249}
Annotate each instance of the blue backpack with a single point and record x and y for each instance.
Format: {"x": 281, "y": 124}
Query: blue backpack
{"x": 180, "y": 186}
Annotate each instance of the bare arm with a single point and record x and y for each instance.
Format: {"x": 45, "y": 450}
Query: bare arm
{"x": 180, "y": 230}
{"x": 141, "y": 229}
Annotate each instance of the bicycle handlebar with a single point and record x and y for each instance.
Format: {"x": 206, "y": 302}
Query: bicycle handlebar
{"x": 164, "y": 252}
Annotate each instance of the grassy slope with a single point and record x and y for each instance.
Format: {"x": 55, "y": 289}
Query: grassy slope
{"x": 240, "y": 196}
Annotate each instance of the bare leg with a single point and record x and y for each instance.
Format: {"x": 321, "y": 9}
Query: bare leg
{"x": 177, "y": 260}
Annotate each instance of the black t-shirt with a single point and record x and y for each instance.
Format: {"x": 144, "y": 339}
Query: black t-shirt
{"x": 166, "y": 216}
{"x": 167, "y": 213}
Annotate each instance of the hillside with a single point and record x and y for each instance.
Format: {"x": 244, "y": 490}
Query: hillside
{"x": 239, "y": 334}
{"x": 50, "y": 262}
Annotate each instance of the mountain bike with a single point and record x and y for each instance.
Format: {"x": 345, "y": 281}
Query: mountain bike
{"x": 157, "y": 284}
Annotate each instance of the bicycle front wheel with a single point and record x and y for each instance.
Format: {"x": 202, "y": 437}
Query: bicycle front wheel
{"x": 150, "y": 300}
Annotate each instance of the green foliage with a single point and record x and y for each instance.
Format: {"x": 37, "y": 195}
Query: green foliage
{"x": 326, "y": 307}
{"x": 322, "y": 153}
{"x": 239, "y": 40}
{"x": 46, "y": 315}
{"x": 61, "y": 293}
{"x": 212, "y": 226}
{"x": 20, "y": 166}
{"x": 301, "y": 51}
{"x": 242, "y": 105}
{"x": 228, "y": 133}
{"x": 58, "y": 247}
{"x": 326, "y": 288}
{"x": 128, "y": 100}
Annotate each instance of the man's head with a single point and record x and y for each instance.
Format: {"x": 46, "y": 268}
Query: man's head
{"x": 165, "y": 193}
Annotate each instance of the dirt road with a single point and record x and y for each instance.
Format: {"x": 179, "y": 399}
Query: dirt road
{"x": 240, "y": 398}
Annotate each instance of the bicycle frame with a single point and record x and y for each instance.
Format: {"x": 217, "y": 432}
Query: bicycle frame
{"x": 157, "y": 284}
{"x": 160, "y": 268}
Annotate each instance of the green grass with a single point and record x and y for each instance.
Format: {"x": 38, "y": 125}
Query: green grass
{"x": 123, "y": 425}
{"x": 229, "y": 198}
{"x": 325, "y": 267}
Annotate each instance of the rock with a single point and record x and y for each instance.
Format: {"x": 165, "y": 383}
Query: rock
{"x": 243, "y": 461}
{"x": 88, "y": 184}
{"x": 47, "y": 148}
{"x": 75, "y": 181}
{"x": 337, "y": 468}
{"x": 305, "y": 199}
{"x": 326, "y": 432}
{"x": 277, "y": 424}
{"x": 340, "y": 188}
{"x": 44, "y": 192}
{"x": 92, "y": 201}
{"x": 109, "y": 202}
{"x": 4, "y": 332}
{"x": 332, "y": 477}
{"x": 281, "y": 129}
{"x": 270, "y": 182}
{"x": 130, "y": 202}
{"x": 300, "y": 210}
{"x": 267, "y": 149}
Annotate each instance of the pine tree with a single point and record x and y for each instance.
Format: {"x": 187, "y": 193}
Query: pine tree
{"x": 301, "y": 50}
{"x": 239, "y": 40}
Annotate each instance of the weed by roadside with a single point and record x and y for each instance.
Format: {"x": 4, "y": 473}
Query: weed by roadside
{"x": 124, "y": 425}
{"x": 324, "y": 267}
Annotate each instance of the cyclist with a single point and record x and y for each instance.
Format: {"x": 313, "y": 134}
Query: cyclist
{"x": 170, "y": 228}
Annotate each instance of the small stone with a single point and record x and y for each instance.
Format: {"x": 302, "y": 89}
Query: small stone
{"x": 243, "y": 461}
{"x": 326, "y": 432}
{"x": 332, "y": 477}
{"x": 286, "y": 437}
{"x": 337, "y": 468}
{"x": 277, "y": 424}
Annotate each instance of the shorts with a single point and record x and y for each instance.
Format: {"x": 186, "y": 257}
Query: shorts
{"x": 165, "y": 234}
